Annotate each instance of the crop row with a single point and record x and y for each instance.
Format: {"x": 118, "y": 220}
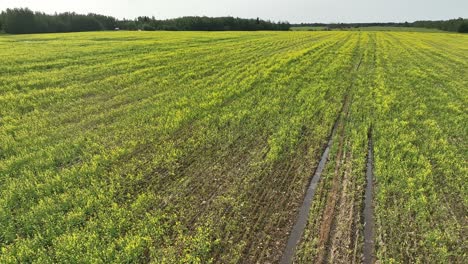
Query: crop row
{"x": 410, "y": 91}
{"x": 197, "y": 147}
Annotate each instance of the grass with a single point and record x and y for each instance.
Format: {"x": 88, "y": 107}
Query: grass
{"x": 193, "y": 147}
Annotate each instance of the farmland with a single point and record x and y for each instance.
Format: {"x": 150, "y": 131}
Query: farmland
{"x": 367, "y": 28}
{"x": 191, "y": 147}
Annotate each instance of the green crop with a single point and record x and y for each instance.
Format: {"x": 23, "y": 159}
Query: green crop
{"x": 192, "y": 147}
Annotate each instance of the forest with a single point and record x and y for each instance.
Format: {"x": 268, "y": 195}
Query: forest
{"x": 25, "y": 21}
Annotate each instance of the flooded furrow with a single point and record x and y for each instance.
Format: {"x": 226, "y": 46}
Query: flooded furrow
{"x": 303, "y": 216}
{"x": 299, "y": 226}
{"x": 369, "y": 245}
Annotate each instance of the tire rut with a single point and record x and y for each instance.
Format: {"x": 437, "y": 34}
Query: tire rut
{"x": 303, "y": 215}
{"x": 369, "y": 245}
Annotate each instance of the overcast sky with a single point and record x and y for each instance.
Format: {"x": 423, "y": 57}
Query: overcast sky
{"x": 294, "y": 11}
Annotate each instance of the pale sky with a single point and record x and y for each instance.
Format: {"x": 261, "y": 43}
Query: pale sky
{"x": 294, "y": 11}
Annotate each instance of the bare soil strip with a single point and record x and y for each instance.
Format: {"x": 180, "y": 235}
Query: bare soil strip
{"x": 368, "y": 207}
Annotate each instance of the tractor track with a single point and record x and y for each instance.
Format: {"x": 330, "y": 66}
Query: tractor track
{"x": 369, "y": 223}
{"x": 303, "y": 215}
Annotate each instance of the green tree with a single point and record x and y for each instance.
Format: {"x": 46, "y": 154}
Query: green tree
{"x": 463, "y": 28}
{"x": 19, "y": 21}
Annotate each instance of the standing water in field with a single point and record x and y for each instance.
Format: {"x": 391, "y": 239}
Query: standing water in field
{"x": 369, "y": 209}
{"x": 301, "y": 222}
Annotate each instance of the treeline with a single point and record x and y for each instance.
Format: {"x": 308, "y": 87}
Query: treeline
{"x": 352, "y": 25}
{"x": 201, "y": 24}
{"x": 24, "y": 21}
{"x": 453, "y": 25}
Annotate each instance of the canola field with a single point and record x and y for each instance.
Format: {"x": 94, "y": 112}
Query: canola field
{"x": 196, "y": 147}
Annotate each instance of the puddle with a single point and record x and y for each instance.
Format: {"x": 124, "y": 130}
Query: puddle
{"x": 368, "y": 206}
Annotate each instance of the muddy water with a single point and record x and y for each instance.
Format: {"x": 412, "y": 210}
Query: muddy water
{"x": 368, "y": 207}
{"x": 301, "y": 222}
